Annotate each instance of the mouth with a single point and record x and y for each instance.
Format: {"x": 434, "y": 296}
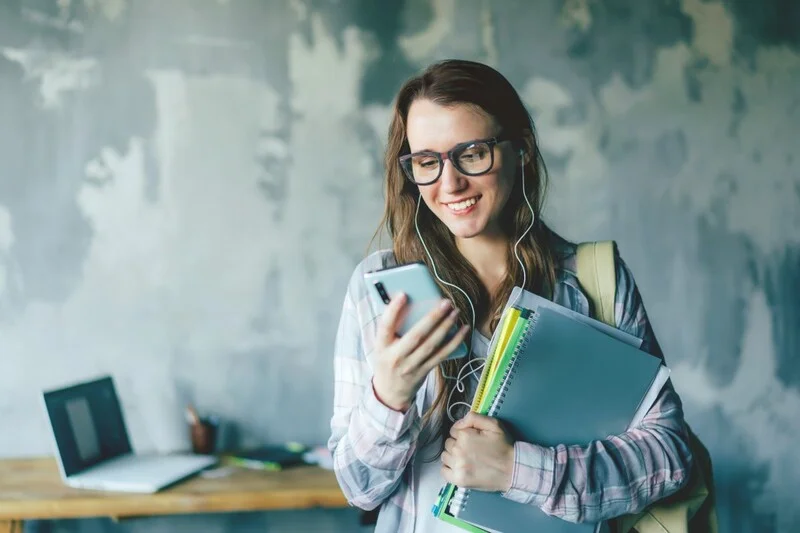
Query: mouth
{"x": 462, "y": 206}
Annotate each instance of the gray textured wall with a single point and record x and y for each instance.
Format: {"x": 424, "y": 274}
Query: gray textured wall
{"x": 186, "y": 185}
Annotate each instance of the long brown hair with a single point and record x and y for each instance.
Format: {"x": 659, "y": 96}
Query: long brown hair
{"x": 449, "y": 83}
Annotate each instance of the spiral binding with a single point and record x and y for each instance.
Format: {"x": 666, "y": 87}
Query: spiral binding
{"x": 460, "y": 495}
{"x": 458, "y": 501}
{"x": 511, "y": 369}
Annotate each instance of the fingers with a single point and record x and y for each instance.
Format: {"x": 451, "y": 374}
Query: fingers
{"x": 478, "y": 422}
{"x": 453, "y": 468}
{"x": 449, "y": 454}
{"x": 420, "y": 349}
{"x": 447, "y": 459}
{"x": 387, "y": 325}
{"x": 431, "y": 344}
{"x": 466, "y": 421}
{"x": 461, "y": 437}
{"x": 448, "y": 474}
{"x": 449, "y": 444}
{"x": 420, "y": 331}
{"x": 441, "y": 354}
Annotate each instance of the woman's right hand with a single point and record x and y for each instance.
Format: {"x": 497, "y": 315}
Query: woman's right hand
{"x": 402, "y": 363}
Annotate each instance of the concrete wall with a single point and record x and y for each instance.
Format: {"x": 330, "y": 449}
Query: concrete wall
{"x": 186, "y": 185}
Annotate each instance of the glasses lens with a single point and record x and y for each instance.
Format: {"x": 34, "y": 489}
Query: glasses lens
{"x": 422, "y": 168}
{"x": 475, "y": 158}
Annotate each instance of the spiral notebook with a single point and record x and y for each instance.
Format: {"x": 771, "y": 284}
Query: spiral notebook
{"x": 595, "y": 385}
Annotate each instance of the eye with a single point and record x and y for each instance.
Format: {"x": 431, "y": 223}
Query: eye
{"x": 426, "y": 162}
{"x": 473, "y": 153}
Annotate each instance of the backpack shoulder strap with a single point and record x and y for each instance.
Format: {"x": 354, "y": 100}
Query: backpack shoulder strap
{"x": 598, "y": 277}
{"x": 695, "y": 502}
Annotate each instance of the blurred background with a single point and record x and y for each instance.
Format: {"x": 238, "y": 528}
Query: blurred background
{"x": 186, "y": 186}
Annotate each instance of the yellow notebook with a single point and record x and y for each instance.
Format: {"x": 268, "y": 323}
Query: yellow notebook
{"x": 510, "y": 318}
{"x": 511, "y": 328}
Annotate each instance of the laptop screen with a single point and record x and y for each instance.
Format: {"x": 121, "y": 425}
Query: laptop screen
{"x": 87, "y": 424}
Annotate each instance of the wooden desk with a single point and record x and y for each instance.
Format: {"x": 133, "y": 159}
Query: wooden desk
{"x": 31, "y": 489}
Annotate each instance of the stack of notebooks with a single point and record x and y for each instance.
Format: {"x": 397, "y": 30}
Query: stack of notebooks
{"x": 272, "y": 458}
{"x": 553, "y": 376}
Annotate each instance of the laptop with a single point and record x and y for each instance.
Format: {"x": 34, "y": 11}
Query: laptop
{"x": 92, "y": 445}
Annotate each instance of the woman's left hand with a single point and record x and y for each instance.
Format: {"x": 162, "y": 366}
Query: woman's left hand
{"x": 479, "y": 454}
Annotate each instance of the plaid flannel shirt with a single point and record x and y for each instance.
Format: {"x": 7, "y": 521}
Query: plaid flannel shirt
{"x": 373, "y": 445}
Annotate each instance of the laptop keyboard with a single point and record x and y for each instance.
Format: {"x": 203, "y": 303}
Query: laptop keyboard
{"x": 144, "y": 470}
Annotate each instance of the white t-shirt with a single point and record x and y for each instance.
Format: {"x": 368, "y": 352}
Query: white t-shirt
{"x": 428, "y": 463}
{"x": 428, "y": 480}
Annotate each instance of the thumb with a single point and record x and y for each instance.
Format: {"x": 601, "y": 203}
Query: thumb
{"x": 479, "y": 422}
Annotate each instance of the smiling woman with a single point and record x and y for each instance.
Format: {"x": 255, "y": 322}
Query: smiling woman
{"x": 449, "y": 193}
{"x": 465, "y": 183}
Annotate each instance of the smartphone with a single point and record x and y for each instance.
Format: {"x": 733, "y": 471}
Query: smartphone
{"x": 423, "y": 295}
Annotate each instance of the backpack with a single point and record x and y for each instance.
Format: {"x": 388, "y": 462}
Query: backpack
{"x": 691, "y": 509}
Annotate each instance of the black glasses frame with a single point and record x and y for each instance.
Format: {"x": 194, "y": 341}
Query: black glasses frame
{"x": 452, "y": 155}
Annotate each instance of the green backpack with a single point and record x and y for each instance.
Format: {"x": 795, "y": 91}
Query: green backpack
{"x": 691, "y": 509}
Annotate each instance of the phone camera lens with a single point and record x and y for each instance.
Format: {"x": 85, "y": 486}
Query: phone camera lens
{"x": 382, "y": 292}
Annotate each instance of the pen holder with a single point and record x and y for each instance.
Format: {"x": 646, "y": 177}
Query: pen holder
{"x": 204, "y": 435}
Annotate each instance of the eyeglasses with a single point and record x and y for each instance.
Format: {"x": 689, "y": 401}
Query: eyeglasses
{"x": 471, "y": 158}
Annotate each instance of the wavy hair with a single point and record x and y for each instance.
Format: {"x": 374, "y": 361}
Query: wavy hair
{"x": 450, "y": 83}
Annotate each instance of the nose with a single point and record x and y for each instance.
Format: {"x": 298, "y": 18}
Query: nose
{"x": 452, "y": 180}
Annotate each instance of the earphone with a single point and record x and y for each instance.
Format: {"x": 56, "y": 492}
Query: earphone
{"x": 459, "y": 378}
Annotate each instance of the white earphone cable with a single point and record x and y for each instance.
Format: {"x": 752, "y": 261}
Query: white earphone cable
{"x": 459, "y": 386}
{"x": 530, "y": 226}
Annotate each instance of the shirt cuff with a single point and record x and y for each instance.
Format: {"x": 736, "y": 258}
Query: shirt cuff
{"x": 392, "y": 424}
{"x": 532, "y": 478}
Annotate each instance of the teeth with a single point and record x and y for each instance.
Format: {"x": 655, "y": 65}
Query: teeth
{"x": 460, "y": 206}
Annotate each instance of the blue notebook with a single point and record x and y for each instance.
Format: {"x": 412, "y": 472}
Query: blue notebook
{"x": 593, "y": 384}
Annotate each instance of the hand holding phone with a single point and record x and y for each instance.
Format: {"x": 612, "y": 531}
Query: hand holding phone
{"x": 416, "y": 331}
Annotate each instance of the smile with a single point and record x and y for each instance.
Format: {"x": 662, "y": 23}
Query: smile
{"x": 464, "y": 205}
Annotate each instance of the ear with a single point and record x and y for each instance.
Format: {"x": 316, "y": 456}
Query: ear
{"x": 526, "y": 147}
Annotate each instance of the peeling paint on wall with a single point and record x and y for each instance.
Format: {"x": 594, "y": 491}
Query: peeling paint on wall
{"x": 734, "y": 188}
{"x": 328, "y": 129}
{"x": 6, "y": 235}
{"x": 111, "y": 9}
{"x": 61, "y": 22}
{"x": 194, "y": 199}
{"x": 56, "y": 73}
{"x": 6, "y": 240}
{"x": 577, "y": 196}
{"x": 488, "y": 34}
{"x": 421, "y": 45}
{"x": 762, "y": 408}
{"x": 576, "y": 13}
{"x": 713, "y": 31}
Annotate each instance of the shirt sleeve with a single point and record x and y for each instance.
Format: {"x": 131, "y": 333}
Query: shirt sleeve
{"x": 621, "y": 474}
{"x": 371, "y": 444}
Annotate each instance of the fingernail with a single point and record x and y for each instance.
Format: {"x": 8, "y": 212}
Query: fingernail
{"x": 453, "y": 313}
{"x": 445, "y": 305}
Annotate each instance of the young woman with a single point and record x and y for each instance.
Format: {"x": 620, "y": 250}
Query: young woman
{"x": 464, "y": 189}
